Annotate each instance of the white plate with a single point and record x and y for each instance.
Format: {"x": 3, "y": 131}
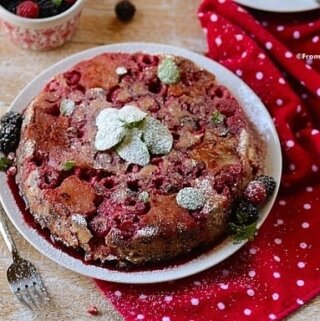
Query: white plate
{"x": 281, "y": 5}
{"x": 253, "y": 108}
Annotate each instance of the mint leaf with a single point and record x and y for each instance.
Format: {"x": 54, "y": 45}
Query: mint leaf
{"x": 217, "y": 118}
{"x": 156, "y": 136}
{"x": 57, "y": 3}
{"x": 111, "y": 129}
{"x": 68, "y": 165}
{"x": 131, "y": 114}
{"x": 190, "y": 198}
{"x": 242, "y": 232}
{"x": 168, "y": 71}
{"x": 144, "y": 197}
{"x": 5, "y": 163}
{"x": 133, "y": 150}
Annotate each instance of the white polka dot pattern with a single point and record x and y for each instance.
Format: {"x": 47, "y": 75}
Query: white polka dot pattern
{"x": 284, "y": 256}
{"x": 300, "y": 283}
{"x": 290, "y": 143}
{"x": 250, "y": 292}
{"x": 296, "y": 34}
{"x": 247, "y": 312}
{"x": 269, "y": 45}
{"x": 259, "y": 75}
{"x": 218, "y": 41}
{"x": 214, "y": 17}
{"x": 276, "y": 275}
{"x": 288, "y": 54}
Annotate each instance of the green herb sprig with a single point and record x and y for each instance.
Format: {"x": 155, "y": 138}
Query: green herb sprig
{"x": 5, "y": 163}
{"x": 217, "y": 118}
{"x": 68, "y": 165}
{"x": 243, "y": 232}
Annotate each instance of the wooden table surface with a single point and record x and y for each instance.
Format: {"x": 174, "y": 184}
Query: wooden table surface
{"x": 165, "y": 21}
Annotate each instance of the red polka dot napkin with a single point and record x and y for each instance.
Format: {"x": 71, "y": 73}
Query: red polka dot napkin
{"x": 280, "y": 270}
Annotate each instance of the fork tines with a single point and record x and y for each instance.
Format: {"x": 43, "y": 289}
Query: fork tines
{"x": 33, "y": 295}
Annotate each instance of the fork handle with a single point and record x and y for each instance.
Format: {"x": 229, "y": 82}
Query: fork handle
{"x": 4, "y": 230}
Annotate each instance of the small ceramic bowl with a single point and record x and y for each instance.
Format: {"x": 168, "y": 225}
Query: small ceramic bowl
{"x": 44, "y": 33}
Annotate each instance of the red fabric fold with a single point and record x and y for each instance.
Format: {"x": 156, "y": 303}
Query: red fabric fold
{"x": 280, "y": 270}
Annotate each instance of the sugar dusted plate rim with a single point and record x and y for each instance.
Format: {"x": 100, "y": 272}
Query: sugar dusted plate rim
{"x": 254, "y": 109}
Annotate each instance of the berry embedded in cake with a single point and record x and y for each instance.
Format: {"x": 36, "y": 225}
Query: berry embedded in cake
{"x": 137, "y": 158}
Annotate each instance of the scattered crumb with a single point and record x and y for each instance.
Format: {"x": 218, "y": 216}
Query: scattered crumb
{"x": 93, "y": 310}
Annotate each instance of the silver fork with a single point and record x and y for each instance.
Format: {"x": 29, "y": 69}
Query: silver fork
{"x": 24, "y": 280}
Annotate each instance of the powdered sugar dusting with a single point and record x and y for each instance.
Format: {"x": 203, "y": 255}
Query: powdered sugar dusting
{"x": 147, "y": 231}
{"x": 67, "y": 107}
{"x": 79, "y": 219}
{"x": 121, "y": 71}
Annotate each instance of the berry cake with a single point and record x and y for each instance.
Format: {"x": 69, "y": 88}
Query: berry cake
{"x": 136, "y": 158}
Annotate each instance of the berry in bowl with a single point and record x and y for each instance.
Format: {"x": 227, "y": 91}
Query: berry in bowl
{"x": 40, "y": 24}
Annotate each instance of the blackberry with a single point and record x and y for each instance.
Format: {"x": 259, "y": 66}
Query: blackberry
{"x": 64, "y": 6}
{"x": 47, "y": 8}
{"x": 245, "y": 213}
{"x": 10, "y": 125}
{"x": 12, "y": 118}
{"x": 12, "y": 5}
{"x": 125, "y": 10}
{"x": 268, "y": 182}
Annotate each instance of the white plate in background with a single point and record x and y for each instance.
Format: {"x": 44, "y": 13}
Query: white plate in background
{"x": 281, "y": 5}
{"x": 251, "y": 104}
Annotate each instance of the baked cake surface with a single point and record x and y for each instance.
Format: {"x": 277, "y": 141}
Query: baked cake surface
{"x": 135, "y": 157}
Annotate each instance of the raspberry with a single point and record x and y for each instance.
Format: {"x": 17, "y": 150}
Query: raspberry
{"x": 28, "y": 9}
{"x": 50, "y": 178}
{"x": 70, "y": 1}
{"x": 125, "y": 10}
{"x": 228, "y": 178}
{"x": 100, "y": 226}
{"x": 12, "y": 171}
{"x": 255, "y": 193}
{"x": 268, "y": 182}
{"x": 93, "y": 310}
{"x": 72, "y": 77}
